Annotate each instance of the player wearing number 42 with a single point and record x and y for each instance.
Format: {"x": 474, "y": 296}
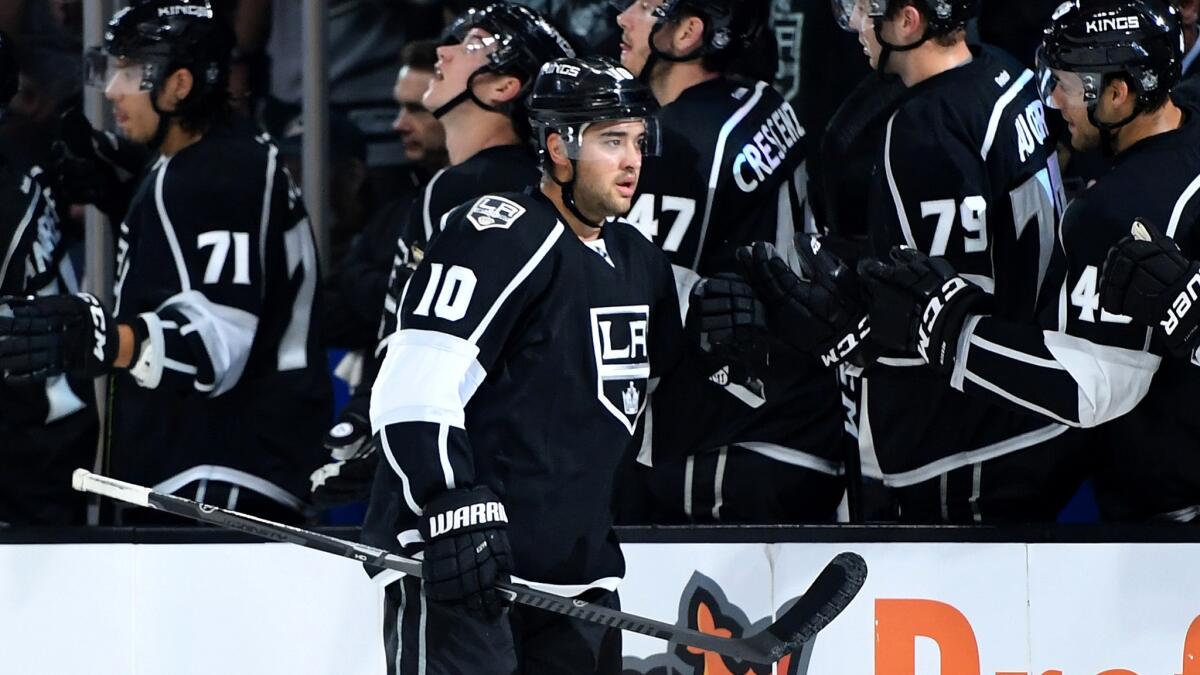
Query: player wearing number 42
{"x": 219, "y": 391}
{"x": 1088, "y": 363}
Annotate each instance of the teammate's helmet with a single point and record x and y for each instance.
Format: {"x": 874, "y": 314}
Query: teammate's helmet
{"x": 162, "y": 36}
{"x": 943, "y": 16}
{"x": 8, "y": 72}
{"x": 1139, "y": 38}
{"x": 524, "y": 39}
{"x": 729, "y": 25}
{"x": 572, "y": 93}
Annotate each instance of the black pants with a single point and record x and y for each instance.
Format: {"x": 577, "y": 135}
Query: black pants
{"x": 1027, "y": 486}
{"x": 430, "y": 638}
{"x": 730, "y": 485}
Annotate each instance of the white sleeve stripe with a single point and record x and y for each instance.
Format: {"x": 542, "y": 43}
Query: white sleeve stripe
{"x": 265, "y": 219}
{"x": 179, "y": 367}
{"x": 185, "y": 281}
{"x": 405, "y": 487}
{"x": 428, "y": 217}
{"x": 714, "y": 173}
{"x": 532, "y": 264}
{"x": 998, "y": 111}
{"x": 16, "y": 238}
{"x": 972, "y": 377}
{"x": 887, "y": 165}
{"x": 1181, "y": 204}
{"x": 1015, "y": 355}
{"x": 447, "y": 370}
{"x": 444, "y": 455}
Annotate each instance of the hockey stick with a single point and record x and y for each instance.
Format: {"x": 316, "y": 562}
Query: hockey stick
{"x": 832, "y": 591}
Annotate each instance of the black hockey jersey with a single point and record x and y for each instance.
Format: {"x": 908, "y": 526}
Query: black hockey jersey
{"x": 47, "y": 429}
{"x": 522, "y": 362}
{"x": 968, "y": 172}
{"x": 1087, "y": 367}
{"x": 503, "y": 168}
{"x": 216, "y": 258}
{"x": 731, "y": 172}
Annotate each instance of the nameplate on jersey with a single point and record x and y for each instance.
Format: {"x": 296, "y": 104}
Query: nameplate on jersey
{"x": 492, "y": 211}
{"x": 620, "y": 341}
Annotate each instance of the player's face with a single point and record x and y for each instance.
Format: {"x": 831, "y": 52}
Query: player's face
{"x": 455, "y": 65}
{"x": 420, "y": 131}
{"x": 610, "y": 163}
{"x": 132, "y": 111}
{"x": 863, "y": 24}
{"x": 636, "y": 22}
{"x": 1067, "y": 96}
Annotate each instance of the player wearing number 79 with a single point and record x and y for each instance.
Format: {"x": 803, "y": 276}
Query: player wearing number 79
{"x": 219, "y": 391}
{"x": 1108, "y": 66}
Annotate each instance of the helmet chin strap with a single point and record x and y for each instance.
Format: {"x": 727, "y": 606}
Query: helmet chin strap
{"x": 887, "y": 48}
{"x": 1108, "y": 130}
{"x": 468, "y": 94}
{"x": 568, "y": 196}
{"x": 164, "y": 121}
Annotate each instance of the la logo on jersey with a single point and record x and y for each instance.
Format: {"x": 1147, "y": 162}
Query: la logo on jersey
{"x": 620, "y": 336}
{"x": 493, "y": 211}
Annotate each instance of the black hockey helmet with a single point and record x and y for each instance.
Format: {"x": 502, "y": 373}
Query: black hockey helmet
{"x": 730, "y": 26}
{"x": 1090, "y": 39}
{"x": 8, "y": 72}
{"x": 943, "y": 16}
{"x": 162, "y": 36}
{"x": 573, "y": 93}
{"x": 521, "y": 41}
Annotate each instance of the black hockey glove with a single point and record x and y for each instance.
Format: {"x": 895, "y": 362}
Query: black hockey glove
{"x": 347, "y": 479}
{"x": 729, "y": 319}
{"x": 820, "y": 314}
{"x": 918, "y": 303}
{"x": 93, "y": 167}
{"x": 1147, "y": 277}
{"x": 466, "y": 550}
{"x": 47, "y": 336}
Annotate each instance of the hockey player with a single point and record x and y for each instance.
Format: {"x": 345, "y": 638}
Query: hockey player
{"x": 219, "y": 391}
{"x": 967, "y": 171}
{"x": 483, "y": 74}
{"x": 49, "y": 428}
{"x": 534, "y": 328}
{"x": 1108, "y": 66}
{"x": 731, "y": 172}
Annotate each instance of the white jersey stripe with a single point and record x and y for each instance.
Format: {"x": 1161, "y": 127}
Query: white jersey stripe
{"x": 998, "y": 111}
{"x": 185, "y": 281}
{"x": 891, "y": 179}
{"x": 521, "y": 276}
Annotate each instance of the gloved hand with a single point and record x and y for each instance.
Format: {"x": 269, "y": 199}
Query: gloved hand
{"x": 466, "y": 550}
{"x": 918, "y": 303}
{"x": 1147, "y": 277}
{"x": 93, "y": 167}
{"x": 347, "y": 479}
{"x": 820, "y": 314}
{"x": 729, "y": 319}
{"x": 47, "y": 336}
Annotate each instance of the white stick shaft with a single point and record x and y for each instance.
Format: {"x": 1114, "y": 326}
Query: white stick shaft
{"x": 86, "y": 481}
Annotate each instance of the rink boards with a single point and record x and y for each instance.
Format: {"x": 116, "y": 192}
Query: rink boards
{"x": 979, "y": 608}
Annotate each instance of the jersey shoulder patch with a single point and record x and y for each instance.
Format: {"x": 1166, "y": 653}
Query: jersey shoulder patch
{"x": 492, "y": 211}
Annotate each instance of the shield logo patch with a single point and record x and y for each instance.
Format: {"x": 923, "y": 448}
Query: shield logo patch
{"x": 492, "y": 211}
{"x": 620, "y": 339}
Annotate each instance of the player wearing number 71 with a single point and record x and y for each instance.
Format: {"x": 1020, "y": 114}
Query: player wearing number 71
{"x": 219, "y": 391}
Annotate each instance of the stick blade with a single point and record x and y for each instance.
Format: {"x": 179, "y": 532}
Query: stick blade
{"x": 832, "y": 591}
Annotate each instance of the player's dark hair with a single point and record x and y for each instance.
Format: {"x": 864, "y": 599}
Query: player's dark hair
{"x": 1151, "y": 102}
{"x": 419, "y": 55}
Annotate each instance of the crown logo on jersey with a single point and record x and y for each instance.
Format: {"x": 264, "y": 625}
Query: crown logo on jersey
{"x": 630, "y": 399}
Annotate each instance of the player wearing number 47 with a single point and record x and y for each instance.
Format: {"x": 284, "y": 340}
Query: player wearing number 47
{"x": 731, "y": 171}
{"x": 1108, "y": 67}
{"x": 536, "y": 330}
{"x": 219, "y": 391}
